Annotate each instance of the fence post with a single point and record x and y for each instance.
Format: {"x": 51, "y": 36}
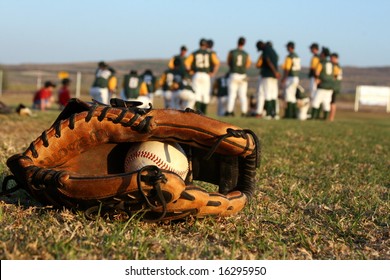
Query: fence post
{"x": 78, "y": 85}
{"x": 357, "y": 97}
{"x": 1, "y": 83}
{"x": 39, "y": 80}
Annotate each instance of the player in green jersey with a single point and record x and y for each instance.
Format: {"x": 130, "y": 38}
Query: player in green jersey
{"x": 100, "y": 88}
{"x": 290, "y": 80}
{"x": 325, "y": 83}
{"x": 314, "y": 49}
{"x": 267, "y": 94}
{"x": 178, "y": 91}
{"x": 220, "y": 90}
{"x": 202, "y": 65}
{"x": 151, "y": 82}
{"x": 338, "y": 73}
{"x": 131, "y": 85}
{"x": 181, "y": 56}
{"x": 238, "y": 61}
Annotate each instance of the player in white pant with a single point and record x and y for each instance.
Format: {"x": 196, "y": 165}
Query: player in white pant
{"x": 203, "y": 64}
{"x": 238, "y": 61}
{"x": 325, "y": 76}
{"x": 290, "y": 80}
{"x": 220, "y": 90}
{"x": 267, "y": 93}
{"x": 237, "y": 86}
{"x": 100, "y": 90}
{"x": 314, "y": 49}
{"x": 260, "y": 98}
{"x": 291, "y": 89}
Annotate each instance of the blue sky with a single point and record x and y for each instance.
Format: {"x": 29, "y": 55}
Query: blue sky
{"x": 58, "y": 31}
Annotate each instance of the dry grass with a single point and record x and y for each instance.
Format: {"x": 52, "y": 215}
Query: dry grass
{"x": 323, "y": 193}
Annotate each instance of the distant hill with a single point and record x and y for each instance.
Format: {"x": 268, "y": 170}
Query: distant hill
{"x": 23, "y": 77}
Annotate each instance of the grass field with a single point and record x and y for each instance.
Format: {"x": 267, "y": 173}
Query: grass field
{"x": 323, "y": 193}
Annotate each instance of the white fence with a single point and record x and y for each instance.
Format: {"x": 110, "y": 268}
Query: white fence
{"x": 372, "y": 96}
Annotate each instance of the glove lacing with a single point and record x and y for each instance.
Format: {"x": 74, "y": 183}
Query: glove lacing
{"x": 237, "y": 134}
{"x": 155, "y": 179}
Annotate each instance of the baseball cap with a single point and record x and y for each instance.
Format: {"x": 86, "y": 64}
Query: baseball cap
{"x": 210, "y": 43}
{"x": 65, "y": 81}
{"x": 325, "y": 51}
{"x": 314, "y": 46}
{"x": 102, "y": 64}
{"x": 203, "y": 42}
{"x": 183, "y": 48}
{"x": 259, "y": 44}
{"x": 49, "y": 84}
{"x": 290, "y": 44}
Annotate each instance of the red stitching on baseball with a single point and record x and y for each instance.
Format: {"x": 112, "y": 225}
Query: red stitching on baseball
{"x": 159, "y": 162}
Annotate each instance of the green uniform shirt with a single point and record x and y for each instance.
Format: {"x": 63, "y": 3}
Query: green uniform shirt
{"x": 222, "y": 87}
{"x": 150, "y": 82}
{"x": 101, "y": 78}
{"x": 327, "y": 80}
{"x": 265, "y": 70}
{"x": 202, "y": 61}
{"x": 238, "y": 61}
{"x": 296, "y": 65}
{"x": 182, "y": 59}
{"x": 131, "y": 85}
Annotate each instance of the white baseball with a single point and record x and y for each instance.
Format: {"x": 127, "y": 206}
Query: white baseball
{"x": 168, "y": 156}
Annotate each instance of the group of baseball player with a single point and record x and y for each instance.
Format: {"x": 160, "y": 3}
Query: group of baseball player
{"x": 190, "y": 82}
{"x": 325, "y": 76}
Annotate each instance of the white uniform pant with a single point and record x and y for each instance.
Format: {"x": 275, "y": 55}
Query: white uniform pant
{"x": 237, "y": 85}
{"x": 100, "y": 94}
{"x": 222, "y": 103}
{"x": 303, "y": 108}
{"x": 312, "y": 87}
{"x": 168, "y": 97}
{"x": 260, "y": 97}
{"x": 290, "y": 92}
{"x": 324, "y": 97}
{"x": 187, "y": 99}
{"x": 270, "y": 88}
{"x": 201, "y": 83}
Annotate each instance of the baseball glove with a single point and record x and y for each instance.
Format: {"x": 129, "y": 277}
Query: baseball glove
{"x": 79, "y": 163}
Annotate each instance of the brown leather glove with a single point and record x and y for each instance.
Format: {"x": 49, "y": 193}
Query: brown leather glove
{"x": 79, "y": 162}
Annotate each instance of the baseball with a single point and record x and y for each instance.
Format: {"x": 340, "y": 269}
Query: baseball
{"x": 168, "y": 156}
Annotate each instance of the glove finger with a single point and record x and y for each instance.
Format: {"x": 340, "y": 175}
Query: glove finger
{"x": 197, "y": 201}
